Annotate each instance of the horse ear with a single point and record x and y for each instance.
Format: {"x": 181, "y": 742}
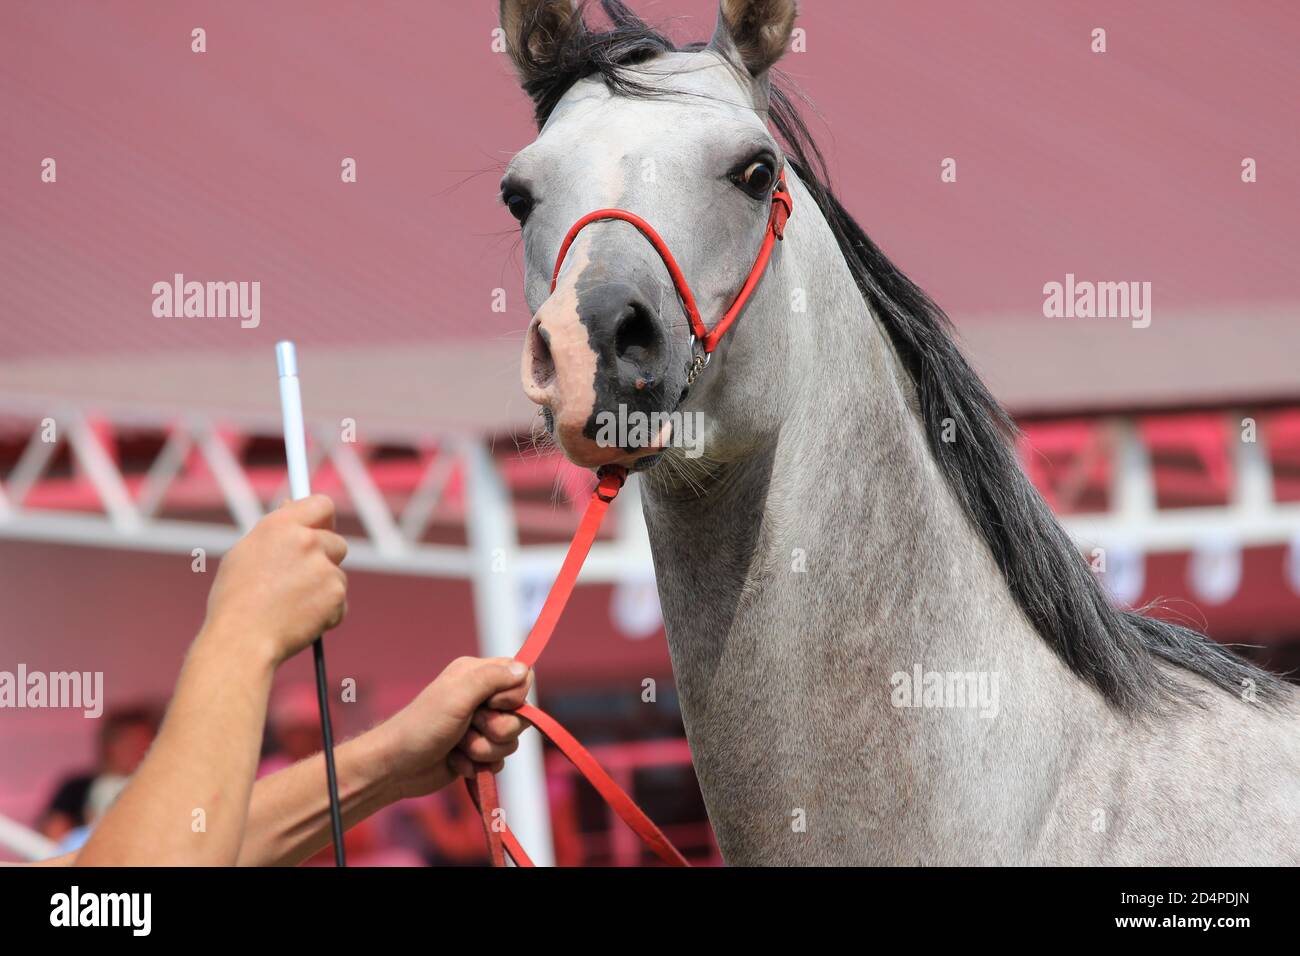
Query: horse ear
{"x": 534, "y": 30}
{"x": 754, "y": 32}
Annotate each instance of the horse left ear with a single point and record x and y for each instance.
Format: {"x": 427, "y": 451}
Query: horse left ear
{"x": 754, "y": 32}
{"x": 534, "y": 30}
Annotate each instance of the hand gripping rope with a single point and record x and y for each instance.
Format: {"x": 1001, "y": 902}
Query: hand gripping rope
{"x": 483, "y": 788}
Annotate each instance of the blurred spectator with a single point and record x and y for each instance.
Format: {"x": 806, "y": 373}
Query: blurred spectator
{"x": 124, "y": 739}
{"x": 103, "y": 792}
{"x": 293, "y": 734}
{"x": 450, "y": 829}
{"x": 293, "y": 728}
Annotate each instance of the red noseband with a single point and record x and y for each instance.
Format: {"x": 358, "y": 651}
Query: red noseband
{"x": 781, "y": 208}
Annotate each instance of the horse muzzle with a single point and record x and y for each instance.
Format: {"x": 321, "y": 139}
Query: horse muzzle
{"x": 599, "y": 346}
{"x": 599, "y": 351}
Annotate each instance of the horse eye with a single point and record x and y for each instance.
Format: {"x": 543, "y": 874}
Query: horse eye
{"x": 757, "y": 178}
{"x": 519, "y": 204}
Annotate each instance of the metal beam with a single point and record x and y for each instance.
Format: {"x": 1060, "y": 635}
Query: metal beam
{"x": 1252, "y": 517}
{"x": 495, "y": 546}
{"x": 181, "y": 537}
{"x": 240, "y": 498}
{"x": 1187, "y": 528}
{"x": 33, "y": 461}
{"x": 366, "y": 498}
{"x": 28, "y": 844}
{"x": 424, "y": 499}
{"x": 103, "y": 473}
{"x": 162, "y": 473}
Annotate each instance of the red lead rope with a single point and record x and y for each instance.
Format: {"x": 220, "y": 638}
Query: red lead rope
{"x": 483, "y": 788}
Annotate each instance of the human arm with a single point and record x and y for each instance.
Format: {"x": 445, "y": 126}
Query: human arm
{"x": 463, "y": 716}
{"x": 275, "y": 591}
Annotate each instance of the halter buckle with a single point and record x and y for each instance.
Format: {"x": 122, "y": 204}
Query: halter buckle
{"x": 782, "y": 206}
{"x": 698, "y": 364}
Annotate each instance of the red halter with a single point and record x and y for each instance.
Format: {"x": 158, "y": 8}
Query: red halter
{"x": 483, "y": 788}
{"x": 781, "y": 208}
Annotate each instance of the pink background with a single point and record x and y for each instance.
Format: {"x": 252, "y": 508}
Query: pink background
{"x": 225, "y": 166}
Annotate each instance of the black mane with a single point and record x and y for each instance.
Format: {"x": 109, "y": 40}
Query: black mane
{"x": 1116, "y": 651}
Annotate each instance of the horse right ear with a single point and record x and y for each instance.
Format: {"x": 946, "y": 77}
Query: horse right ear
{"x": 754, "y": 32}
{"x": 534, "y": 30}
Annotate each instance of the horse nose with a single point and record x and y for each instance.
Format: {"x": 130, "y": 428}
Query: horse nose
{"x": 597, "y": 346}
{"x": 640, "y": 346}
{"x": 630, "y": 338}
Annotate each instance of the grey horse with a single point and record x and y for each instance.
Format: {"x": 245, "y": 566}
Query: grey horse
{"x": 887, "y": 649}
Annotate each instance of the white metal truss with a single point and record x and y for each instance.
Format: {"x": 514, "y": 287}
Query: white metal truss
{"x": 131, "y": 511}
{"x": 26, "y": 843}
{"x": 1252, "y": 517}
{"x": 391, "y": 539}
{"x": 493, "y": 560}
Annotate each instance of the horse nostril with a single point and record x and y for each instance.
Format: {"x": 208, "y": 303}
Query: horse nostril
{"x": 543, "y": 362}
{"x": 637, "y": 338}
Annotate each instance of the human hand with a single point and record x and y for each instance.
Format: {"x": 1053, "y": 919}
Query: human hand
{"x": 281, "y": 585}
{"x": 463, "y": 717}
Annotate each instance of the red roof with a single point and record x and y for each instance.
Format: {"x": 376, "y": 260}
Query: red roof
{"x": 226, "y": 165}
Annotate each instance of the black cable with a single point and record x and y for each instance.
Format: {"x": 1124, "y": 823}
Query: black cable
{"x": 327, "y": 735}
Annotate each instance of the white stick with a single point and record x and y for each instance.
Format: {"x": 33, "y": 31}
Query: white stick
{"x": 28, "y": 844}
{"x": 295, "y": 453}
{"x": 295, "y": 435}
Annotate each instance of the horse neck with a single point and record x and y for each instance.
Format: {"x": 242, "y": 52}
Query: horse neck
{"x": 815, "y": 569}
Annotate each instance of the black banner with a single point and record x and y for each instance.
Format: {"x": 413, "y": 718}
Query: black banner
{"x": 622, "y": 908}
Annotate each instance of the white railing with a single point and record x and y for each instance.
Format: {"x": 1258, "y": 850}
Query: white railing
{"x": 493, "y": 561}
{"x": 27, "y": 844}
{"x": 1251, "y": 518}
{"x": 132, "y": 509}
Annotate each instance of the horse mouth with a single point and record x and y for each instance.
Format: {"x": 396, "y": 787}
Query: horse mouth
{"x": 648, "y": 462}
{"x": 633, "y": 459}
